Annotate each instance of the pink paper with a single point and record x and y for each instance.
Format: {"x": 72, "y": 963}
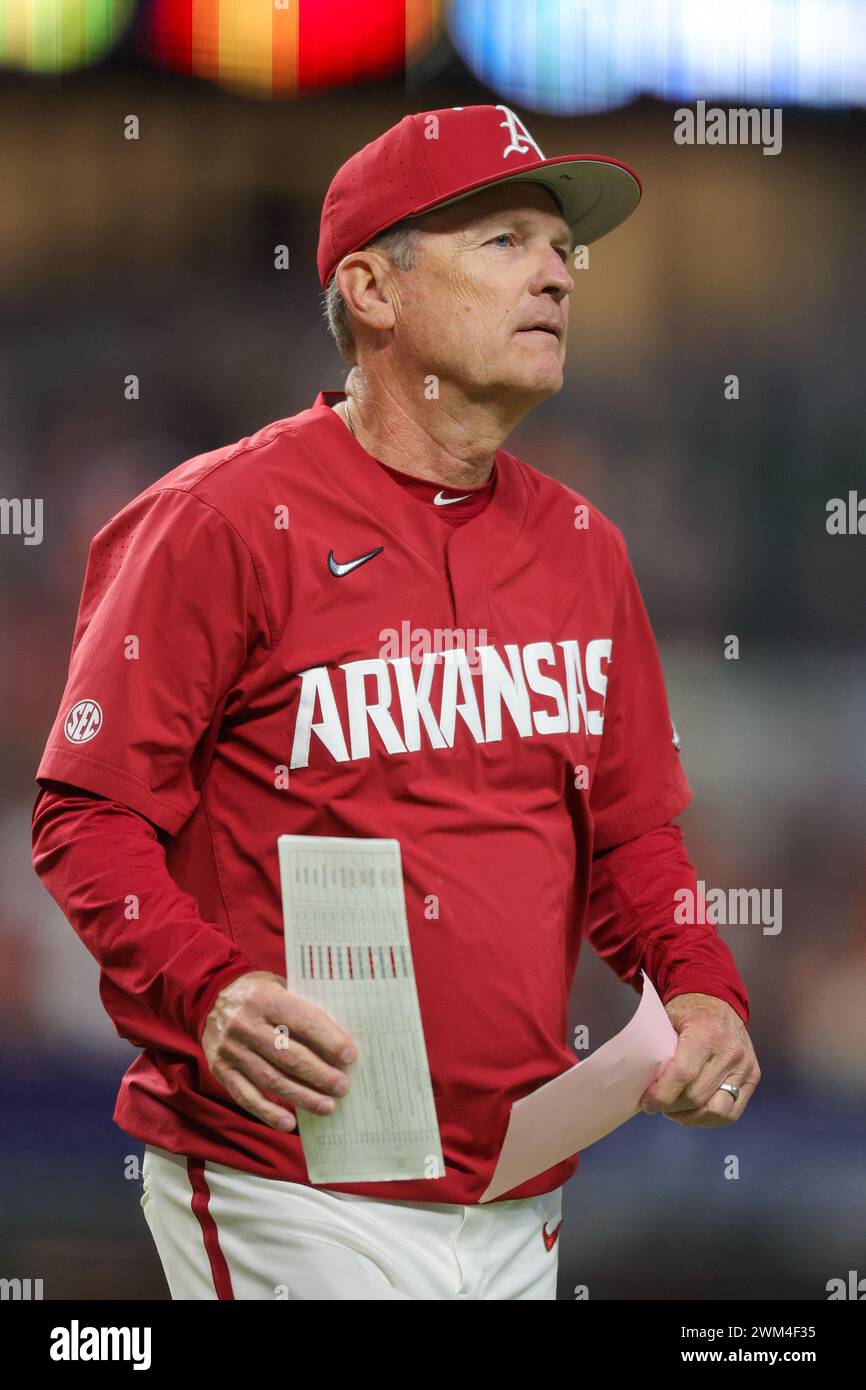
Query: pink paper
{"x": 586, "y": 1103}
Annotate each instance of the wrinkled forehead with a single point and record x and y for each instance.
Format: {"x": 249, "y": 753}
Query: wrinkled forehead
{"x": 523, "y": 198}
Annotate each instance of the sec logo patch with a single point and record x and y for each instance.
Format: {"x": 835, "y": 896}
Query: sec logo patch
{"x": 83, "y": 721}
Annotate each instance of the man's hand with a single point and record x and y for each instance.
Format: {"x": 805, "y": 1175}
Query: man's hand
{"x": 713, "y": 1046}
{"x": 260, "y": 1040}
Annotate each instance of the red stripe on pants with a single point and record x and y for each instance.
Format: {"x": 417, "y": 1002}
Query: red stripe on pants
{"x": 222, "y": 1280}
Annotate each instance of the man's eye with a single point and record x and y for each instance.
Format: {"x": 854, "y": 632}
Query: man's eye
{"x": 502, "y": 237}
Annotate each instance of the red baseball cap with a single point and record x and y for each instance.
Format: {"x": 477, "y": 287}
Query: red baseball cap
{"x": 438, "y": 157}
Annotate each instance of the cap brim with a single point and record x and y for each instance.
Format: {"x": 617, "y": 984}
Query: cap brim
{"x": 595, "y": 193}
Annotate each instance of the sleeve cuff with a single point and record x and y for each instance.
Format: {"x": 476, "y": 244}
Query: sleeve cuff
{"x": 79, "y": 770}
{"x": 218, "y": 982}
{"x": 628, "y": 824}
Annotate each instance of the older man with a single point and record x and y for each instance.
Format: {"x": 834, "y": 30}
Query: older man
{"x": 260, "y": 650}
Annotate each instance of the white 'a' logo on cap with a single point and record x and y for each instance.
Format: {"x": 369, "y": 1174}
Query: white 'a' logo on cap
{"x": 520, "y": 139}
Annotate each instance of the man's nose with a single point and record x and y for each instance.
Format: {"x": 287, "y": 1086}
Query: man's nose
{"x": 553, "y": 277}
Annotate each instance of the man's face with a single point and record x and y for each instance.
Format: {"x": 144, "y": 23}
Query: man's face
{"x": 486, "y": 304}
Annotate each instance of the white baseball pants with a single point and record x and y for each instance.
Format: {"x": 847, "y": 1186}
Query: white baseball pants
{"x": 226, "y": 1234}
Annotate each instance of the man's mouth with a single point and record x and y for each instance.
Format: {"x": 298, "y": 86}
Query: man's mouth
{"x": 541, "y": 328}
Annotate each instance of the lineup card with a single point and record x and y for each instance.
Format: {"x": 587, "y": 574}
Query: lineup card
{"x": 348, "y": 952}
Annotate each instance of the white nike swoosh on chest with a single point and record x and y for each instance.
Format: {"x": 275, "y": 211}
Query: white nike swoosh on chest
{"x": 440, "y": 501}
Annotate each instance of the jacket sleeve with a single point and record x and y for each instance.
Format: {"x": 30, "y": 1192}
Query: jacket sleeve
{"x": 639, "y": 896}
{"x": 639, "y": 783}
{"x": 161, "y": 965}
{"x": 171, "y": 618}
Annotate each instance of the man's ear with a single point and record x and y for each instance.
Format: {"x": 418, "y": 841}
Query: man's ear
{"x": 365, "y": 280}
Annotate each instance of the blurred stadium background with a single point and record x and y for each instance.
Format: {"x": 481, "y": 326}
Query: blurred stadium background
{"x": 155, "y": 256}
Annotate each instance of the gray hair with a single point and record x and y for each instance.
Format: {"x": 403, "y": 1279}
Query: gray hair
{"x": 398, "y": 245}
